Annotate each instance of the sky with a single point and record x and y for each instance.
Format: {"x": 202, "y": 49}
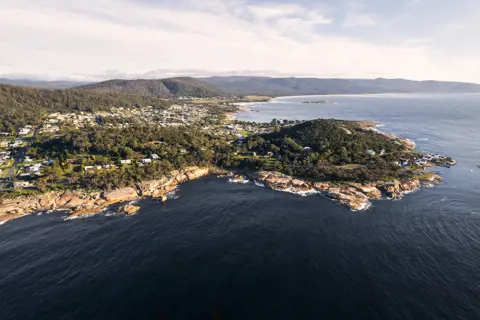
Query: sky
{"x": 92, "y": 40}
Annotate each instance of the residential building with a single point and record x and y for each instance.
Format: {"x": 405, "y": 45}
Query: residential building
{"x": 22, "y": 184}
{"x": 24, "y": 131}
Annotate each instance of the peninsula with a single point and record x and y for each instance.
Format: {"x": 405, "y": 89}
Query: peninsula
{"x": 84, "y": 151}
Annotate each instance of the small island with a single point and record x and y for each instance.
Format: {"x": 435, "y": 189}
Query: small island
{"x": 318, "y": 102}
{"x": 89, "y": 160}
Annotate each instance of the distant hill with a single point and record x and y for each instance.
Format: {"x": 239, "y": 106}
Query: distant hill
{"x": 166, "y": 88}
{"x": 312, "y": 86}
{"x": 243, "y": 86}
{"x": 41, "y": 84}
{"x": 22, "y": 105}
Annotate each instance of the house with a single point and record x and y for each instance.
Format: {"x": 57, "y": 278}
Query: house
{"x": 371, "y": 153}
{"x": 154, "y": 156}
{"x": 106, "y": 166}
{"x": 87, "y": 168}
{"x": 145, "y": 161}
{"x": 35, "y": 168}
{"x": 307, "y": 149}
{"x": 16, "y": 144}
{"x": 24, "y": 131}
{"x": 126, "y": 161}
{"x": 28, "y": 159}
{"x": 21, "y": 184}
{"x": 3, "y": 144}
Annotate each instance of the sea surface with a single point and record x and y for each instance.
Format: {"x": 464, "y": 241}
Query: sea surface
{"x": 235, "y": 251}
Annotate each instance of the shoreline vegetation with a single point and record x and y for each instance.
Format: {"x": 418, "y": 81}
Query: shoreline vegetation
{"x": 91, "y": 160}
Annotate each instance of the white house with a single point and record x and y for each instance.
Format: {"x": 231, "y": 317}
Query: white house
{"x": 145, "y": 161}
{"x": 34, "y": 169}
{"x": 155, "y": 156}
{"x": 126, "y": 161}
{"x": 88, "y": 168}
{"x": 371, "y": 152}
{"x": 24, "y": 131}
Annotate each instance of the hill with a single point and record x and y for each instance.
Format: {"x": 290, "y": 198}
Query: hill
{"x": 333, "y": 149}
{"x": 165, "y": 88}
{"x": 22, "y": 105}
{"x": 312, "y": 86}
{"x": 41, "y": 84}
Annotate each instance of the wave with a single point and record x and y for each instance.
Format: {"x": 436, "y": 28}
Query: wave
{"x": 423, "y": 139}
{"x": 241, "y": 181}
{"x": 364, "y": 207}
{"x": 302, "y": 193}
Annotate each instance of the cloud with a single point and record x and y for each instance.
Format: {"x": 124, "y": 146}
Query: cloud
{"x": 355, "y": 19}
{"x": 86, "y": 40}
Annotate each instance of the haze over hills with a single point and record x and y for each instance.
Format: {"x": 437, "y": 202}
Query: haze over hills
{"x": 42, "y": 84}
{"x": 251, "y": 85}
{"x": 313, "y": 86}
{"x": 167, "y": 88}
{"x": 215, "y": 86}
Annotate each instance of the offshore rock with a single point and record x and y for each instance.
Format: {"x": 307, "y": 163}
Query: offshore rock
{"x": 129, "y": 209}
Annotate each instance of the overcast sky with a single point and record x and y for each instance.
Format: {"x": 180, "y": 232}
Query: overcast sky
{"x": 100, "y": 39}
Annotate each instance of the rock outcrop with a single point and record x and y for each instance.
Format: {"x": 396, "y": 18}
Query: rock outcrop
{"x": 129, "y": 209}
{"x": 120, "y": 195}
{"x": 356, "y": 196}
{"x": 83, "y": 203}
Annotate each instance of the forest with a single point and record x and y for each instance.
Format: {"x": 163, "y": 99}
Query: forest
{"x": 177, "y": 147}
{"x": 326, "y": 149}
{"x": 20, "y": 106}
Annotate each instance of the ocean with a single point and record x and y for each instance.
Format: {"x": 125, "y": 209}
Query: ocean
{"x": 238, "y": 251}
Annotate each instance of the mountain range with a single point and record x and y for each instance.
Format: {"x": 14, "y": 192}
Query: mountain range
{"x": 244, "y": 86}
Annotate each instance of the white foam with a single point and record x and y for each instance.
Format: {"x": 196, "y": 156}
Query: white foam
{"x": 367, "y": 205}
{"x": 241, "y": 181}
{"x": 259, "y": 184}
{"x": 302, "y": 193}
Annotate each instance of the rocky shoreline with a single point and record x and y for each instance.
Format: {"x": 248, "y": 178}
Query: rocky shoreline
{"x": 82, "y": 203}
{"x": 355, "y": 196}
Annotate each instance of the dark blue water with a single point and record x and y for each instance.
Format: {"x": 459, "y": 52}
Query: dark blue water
{"x": 226, "y": 251}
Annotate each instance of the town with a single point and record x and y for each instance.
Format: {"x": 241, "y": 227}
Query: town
{"x": 22, "y": 169}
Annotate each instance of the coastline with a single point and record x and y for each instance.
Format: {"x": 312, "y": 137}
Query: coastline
{"x": 355, "y": 196}
{"x": 82, "y": 203}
